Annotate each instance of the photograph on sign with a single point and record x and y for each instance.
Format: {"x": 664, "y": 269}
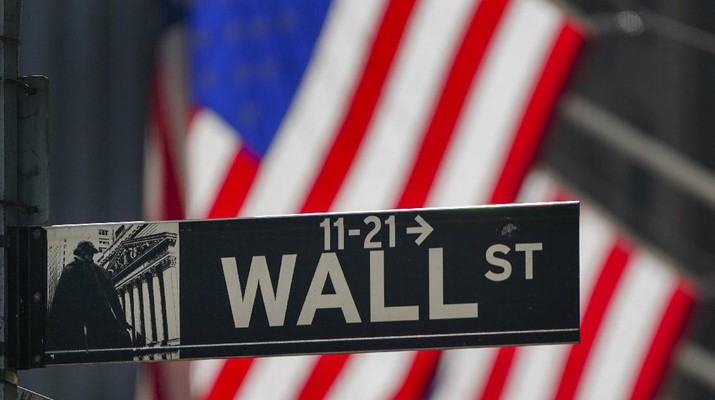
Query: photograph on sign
{"x": 113, "y": 289}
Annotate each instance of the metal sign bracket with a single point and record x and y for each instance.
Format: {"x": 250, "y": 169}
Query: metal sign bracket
{"x": 26, "y": 297}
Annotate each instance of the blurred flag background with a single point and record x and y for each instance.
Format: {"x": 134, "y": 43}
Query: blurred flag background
{"x": 388, "y": 105}
{"x": 259, "y": 108}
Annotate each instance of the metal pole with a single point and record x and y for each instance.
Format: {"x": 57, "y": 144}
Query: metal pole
{"x": 9, "y": 33}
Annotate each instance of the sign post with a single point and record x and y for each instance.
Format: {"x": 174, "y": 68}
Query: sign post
{"x": 301, "y": 284}
{"x": 9, "y": 38}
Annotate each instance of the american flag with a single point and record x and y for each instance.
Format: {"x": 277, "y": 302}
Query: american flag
{"x": 361, "y": 105}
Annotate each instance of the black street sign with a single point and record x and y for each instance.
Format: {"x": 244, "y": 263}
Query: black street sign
{"x": 318, "y": 283}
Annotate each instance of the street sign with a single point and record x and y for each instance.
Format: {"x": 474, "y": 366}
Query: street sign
{"x": 318, "y": 283}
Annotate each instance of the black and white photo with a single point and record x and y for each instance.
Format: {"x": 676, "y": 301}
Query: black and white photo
{"x": 113, "y": 288}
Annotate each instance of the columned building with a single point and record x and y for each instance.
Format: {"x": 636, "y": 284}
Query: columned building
{"x": 143, "y": 264}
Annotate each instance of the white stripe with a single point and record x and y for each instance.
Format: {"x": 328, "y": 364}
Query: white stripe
{"x": 537, "y": 186}
{"x": 289, "y": 168}
{"x": 211, "y": 147}
{"x": 627, "y": 329}
{"x": 499, "y": 94}
{"x": 596, "y": 242}
{"x": 536, "y": 371}
{"x": 276, "y": 378}
{"x": 597, "y": 236}
{"x": 385, "y": 158}
{"x": 371, "y": 376}
{"x": 463, "y": 374}
{"x": 203, "y": 374}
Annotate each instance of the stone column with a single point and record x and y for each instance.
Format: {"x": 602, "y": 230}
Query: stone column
{"x": 126, "y": 303}
{"x": 171, "y": 293}
{"x": 138, "y": 313}
{"x": 159, "y": 311}
{"x": 146, "y": 308}
{"x": 149, "y": 280}
{"x": 142, "y": 319}
{"x": 132, "y": 307}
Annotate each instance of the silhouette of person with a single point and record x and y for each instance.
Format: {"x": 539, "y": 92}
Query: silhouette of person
{"x": 86, "y": 312}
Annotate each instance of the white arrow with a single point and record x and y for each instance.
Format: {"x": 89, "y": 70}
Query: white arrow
{"x": 423, "y": 230}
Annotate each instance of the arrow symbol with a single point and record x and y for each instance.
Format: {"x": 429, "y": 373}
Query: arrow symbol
{"x": 423, "y": 230}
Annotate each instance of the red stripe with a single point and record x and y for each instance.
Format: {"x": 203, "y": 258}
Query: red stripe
{"x": 538, "y": 112}
{"x": 563, "y": 195}
{"x": 526, "y": 141}
{"x": 606, "y": 285}
{"x": 362, "y": 106}
{"x": 171, "y": 190}
{"x": 232, "y": 374}
{"x": 324, "y": 373}
{"x": 156, "y": 377}
{"x": 464, "y": 68}
{"x": 669, "y": 330}
{"x": 522, "y": 153}
{"x": 235, "y": 186}
{"x": 500, "y": 371}
{"x": 419, "y": 377}
{"x": 457, "y": 85}
{"x": 345, "y": 146}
